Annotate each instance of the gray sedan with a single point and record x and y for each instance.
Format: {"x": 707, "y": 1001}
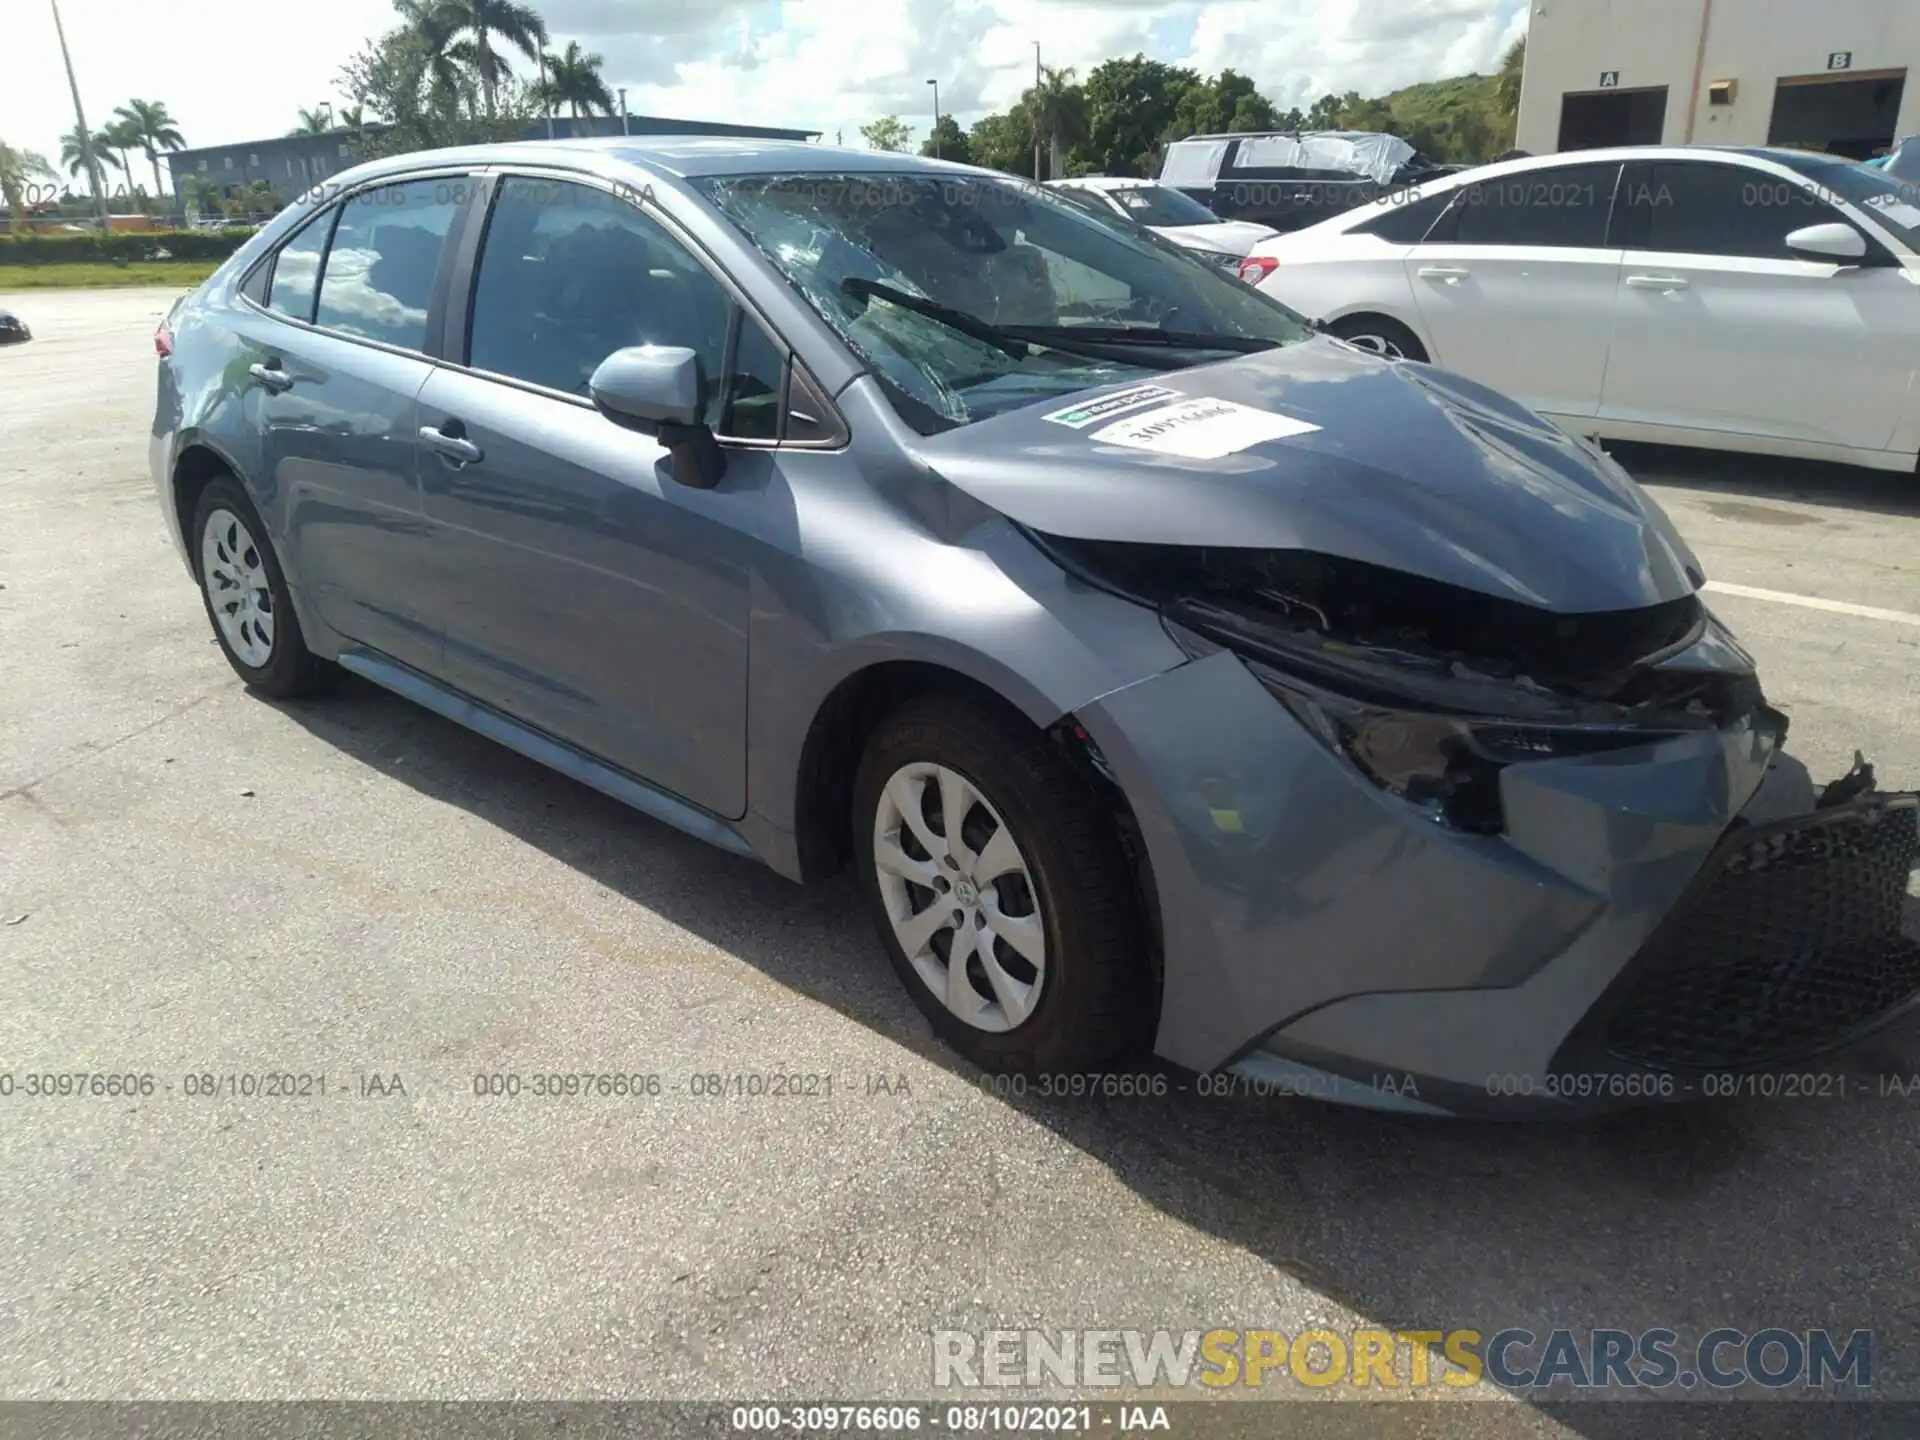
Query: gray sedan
{"x": 1173, "y": 676}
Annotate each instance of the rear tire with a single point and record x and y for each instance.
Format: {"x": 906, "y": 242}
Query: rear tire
{"x": 1036, "y": 899}
{"x": 1382, "y": 336}
{"x": 245, "y": 594}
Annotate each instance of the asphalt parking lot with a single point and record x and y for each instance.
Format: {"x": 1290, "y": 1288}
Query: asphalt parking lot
{"x": 194, "y": 881}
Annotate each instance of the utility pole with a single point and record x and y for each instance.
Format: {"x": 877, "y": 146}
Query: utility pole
{"x": 1036, "y": 112}
{"x": 85, "y": 135}
{"x": 623, "y": 111}
{"x": 936, "y": 117}
{"x": 546, "y": 100}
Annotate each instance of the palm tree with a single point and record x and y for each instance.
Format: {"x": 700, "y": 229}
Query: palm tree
{"x": 122, "y": 136}
{"x": 155, "y": 131}
{"x": 73, "y": 155}
{"x": 467, "y": 28}
{"x": 573, "y": 80}
{"x": 18, "y": 170}
{"x": 1057, "y": 112}
{"x": 317, "y": 121}
{"x": 1506, "y": 87}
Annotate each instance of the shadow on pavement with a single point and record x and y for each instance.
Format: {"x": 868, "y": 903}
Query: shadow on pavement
{"x": 1770, "y": 477}
{"x": 1750, "y": 1213}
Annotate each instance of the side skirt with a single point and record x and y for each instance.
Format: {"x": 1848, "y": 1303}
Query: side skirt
{"x": 629, "y": 790}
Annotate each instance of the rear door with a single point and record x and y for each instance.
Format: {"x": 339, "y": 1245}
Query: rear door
{"x": 1718, "y": 327}
{"x": 590, "y": 595}
{"x": 1515, "y": 285}
{"x": 337, "y": 363}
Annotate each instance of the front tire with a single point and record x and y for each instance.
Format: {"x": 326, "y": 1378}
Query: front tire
{"x": 1000, "y": 890}
{"x": 245, "y": 594}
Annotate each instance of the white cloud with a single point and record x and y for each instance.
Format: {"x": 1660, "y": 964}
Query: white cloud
{"x": 230, "y": 71}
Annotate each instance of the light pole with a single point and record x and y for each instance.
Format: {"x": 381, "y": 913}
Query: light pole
{"x": 546, "y": 100}
{"x": 623, "y": 111}
{"x": 84, "y": 135}
{"x": 936, "y": 117}
{"x": 1036, "y": 112}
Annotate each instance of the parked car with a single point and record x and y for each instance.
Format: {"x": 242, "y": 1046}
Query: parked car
{"x": 13, "y": 330}
{"x": 1168, "y": 673}
{"x": 1760, "y": 300}
{"x": 1902, "y": 163}
{"x": 1172, "y": 216}
{"x": 1288, "y": 180}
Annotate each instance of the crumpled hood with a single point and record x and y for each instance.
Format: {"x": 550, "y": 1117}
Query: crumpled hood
{"x": 1228, "y": 237}
{"x": 1409, "y": 467}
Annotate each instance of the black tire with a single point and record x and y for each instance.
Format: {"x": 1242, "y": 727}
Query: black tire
{"x": 1096, "y": 1002}
{"x": 290, "y": 669}
{"x": 1377, "y": 333}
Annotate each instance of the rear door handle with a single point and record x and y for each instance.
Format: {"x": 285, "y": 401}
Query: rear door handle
{"x": 1664, "y": 284}
{"x": 271, "y": 376}
{"x": 455, "y": 447}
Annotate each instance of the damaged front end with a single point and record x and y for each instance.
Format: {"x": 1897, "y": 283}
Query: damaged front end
{"x": 1432, "y": 690}
{"x": 1744, "y": 918}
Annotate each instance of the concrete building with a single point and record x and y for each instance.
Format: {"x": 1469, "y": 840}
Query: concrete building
{"x": 291, "y": 163}
{"x": 1822, "y": 74}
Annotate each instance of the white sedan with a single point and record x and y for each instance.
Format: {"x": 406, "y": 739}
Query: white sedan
{"x": 1760, "y": 300}
{"x": 1171, "y": 215}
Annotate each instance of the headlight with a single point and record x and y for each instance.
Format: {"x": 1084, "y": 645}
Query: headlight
{"x": 1421, "y": 730}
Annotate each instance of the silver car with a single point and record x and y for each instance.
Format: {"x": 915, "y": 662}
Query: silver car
{"x": 1174, "y": 676}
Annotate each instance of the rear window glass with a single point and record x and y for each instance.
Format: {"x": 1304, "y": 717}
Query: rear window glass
{"x": 385, "y": 255}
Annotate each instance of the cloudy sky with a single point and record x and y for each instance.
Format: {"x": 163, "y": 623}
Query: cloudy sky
{"x": 230, "y": 70}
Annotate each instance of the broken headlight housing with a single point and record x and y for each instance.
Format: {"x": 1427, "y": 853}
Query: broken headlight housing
{"x": 1422, "y": 727}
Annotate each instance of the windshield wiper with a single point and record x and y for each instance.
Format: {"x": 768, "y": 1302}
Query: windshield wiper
{"x": 1140, "y": 335}
{"x": 953, "y": 319}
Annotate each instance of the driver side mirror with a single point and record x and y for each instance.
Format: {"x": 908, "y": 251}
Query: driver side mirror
{"x": 1832, "y": 242}
{"x": 659, "y": 391}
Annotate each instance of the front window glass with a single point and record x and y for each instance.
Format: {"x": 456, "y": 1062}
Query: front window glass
{"x": 1892, "y": 201}
{"x": 1157, "y": 205}
{"x": 973, "y": 295}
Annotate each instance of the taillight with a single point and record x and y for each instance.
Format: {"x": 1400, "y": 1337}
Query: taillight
{"x": 163, "y": 340}
{"x": 1256, "y": 268}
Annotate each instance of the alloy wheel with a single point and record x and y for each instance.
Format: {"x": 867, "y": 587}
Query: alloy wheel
{"x": 238, "y": 591}
{"x": 960, "y": 896}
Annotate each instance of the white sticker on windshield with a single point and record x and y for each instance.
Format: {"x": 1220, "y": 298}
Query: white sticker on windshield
{"x": 1089, "y": 412}
{"x": 1200, "y": 429}
{"x": 1895, "y": 209}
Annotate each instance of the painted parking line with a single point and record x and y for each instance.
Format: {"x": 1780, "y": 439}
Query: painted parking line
{"x": 1814, "y": 602}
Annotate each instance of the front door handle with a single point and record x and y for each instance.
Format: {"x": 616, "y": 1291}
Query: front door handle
{"x": 1451, "y": 274}
{"x": 271, "y": 376}
{"x": 455, "y": 447}
{"x": 1664, "y": 284}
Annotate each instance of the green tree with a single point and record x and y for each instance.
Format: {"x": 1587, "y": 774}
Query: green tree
{"x": 467, "y": 29}
{"x": 573, "y": 80}
{"x": 1003, "y": 141}
{"x": 948, "y": 141}
{"x": 889, "y": 132}
{"x": 154, "y": 130}
{"x": 124, "y": 139}
{"x": 1228, "y": 102}
{"x": 19, "y": 171}
{"x": 1326, "y": 111}
{"x": 73, "y": 156}
{"x": 414, "y": 93}
{"x": 200, "y": 195}
{"x": 316, "y": 121}
{"x": 1506, "y": 86}
{"x": 1057, "y": 109}
{"x": 1133, "y": 108}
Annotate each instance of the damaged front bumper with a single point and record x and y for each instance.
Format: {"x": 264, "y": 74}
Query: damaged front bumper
{"x": 1646, "y": 919}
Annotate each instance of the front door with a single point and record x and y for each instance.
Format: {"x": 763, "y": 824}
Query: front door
{"x": 1718, "y": 327}
{"x": 600, "y": 601}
